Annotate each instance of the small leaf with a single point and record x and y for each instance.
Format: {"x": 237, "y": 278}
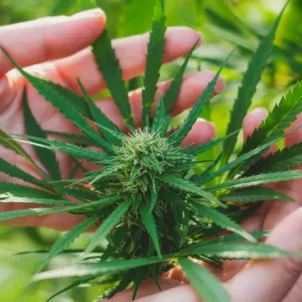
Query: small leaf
{"x": 108, "y": 64}
{"x": 209, "y": 288}
{"x": 107, "y": 225}
{"x": 195, "y": 112}
{"x": 154, "y": 60}
{"x": 174, "y": 88}
{"x": 281, "y": 160}
{"x": 47, "y": 157}
{"x": 99, "y": 117}
{"x": 67, "y": 239}
{"x": 221, "y": 220}
{"x": 150, "y": 226}
{"x": 210, "y": 145}
{"x": 67, "y": 148}
{"x": 101, "y": 268}
{"x": 161, "y": 120}
{"x": 258, "y": 180}
{"x": 278, "y": 120}
{"x": 254, "y": 194}
{"x": 248, "y": 87}
{"x": 190, "y": 187}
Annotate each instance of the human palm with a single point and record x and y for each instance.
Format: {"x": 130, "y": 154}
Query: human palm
{"x": 58, "y": 45}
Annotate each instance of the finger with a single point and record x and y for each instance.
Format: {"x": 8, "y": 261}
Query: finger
{"x": 177, "y": 294}
{"x": 296, "y": 136}
{"x": 49, "y": 38}
{"x": 252, "y": 121}
{"x": 146, "y": 289}
{"x": 191, "y": 88}
{"x": 271, "y": 280}
{"x": 131, "y": 53}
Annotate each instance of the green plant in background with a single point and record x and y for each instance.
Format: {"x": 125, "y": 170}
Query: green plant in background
{"x": 158, "y": 202}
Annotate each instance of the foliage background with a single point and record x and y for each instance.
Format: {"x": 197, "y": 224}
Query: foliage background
{"x": 224, "y": 23}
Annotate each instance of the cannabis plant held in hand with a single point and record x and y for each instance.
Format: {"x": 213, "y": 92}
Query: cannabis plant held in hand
{"x": 156, "y": 203}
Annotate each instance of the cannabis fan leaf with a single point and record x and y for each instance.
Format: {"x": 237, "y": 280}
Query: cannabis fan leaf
{"x": 149, "y": 207}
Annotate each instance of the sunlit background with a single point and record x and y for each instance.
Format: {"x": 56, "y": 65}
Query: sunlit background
{"x": 224, "y": 23}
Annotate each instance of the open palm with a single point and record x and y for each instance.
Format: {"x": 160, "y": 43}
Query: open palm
{"x": 58, "y": 45}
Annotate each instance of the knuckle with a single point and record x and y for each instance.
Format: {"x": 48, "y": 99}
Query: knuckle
{"x": 291, "y": 267}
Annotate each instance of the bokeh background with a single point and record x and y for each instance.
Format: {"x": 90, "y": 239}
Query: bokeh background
{"x": 224, "y": 23}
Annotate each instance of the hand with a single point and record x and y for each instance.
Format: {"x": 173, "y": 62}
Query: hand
{"x": 262, "y": 281}
{"x": 58, "y": 45}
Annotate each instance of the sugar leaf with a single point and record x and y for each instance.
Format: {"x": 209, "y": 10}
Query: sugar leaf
{"x": 154, "y": 61}
{"x": 150, "y": 226}
{"x": 108, "y": 64}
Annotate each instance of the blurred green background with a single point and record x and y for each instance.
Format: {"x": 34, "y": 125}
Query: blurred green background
{"x": 224, "y": 23}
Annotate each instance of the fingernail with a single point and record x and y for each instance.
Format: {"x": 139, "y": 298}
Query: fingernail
{"x": 96, "y": 12}
{"x": 260, "y": 112}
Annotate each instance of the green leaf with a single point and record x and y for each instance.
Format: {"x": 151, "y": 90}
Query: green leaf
{"x": 61, "y": 101}
{"x": 99, "y": 117}
{"x": 14, "y": 171}
{"x": 235, "y": 250}
{"x": 221, "y": 220}
{"x": 150, "y": 226}
{"x": 195, "y": 112}
{"x": 174, "y": 88}
{"x": 153, "y": 62}
{"x": 101, "y": 268}
{"x": 208, "y": 287}
{"x": 109, "y": 66}
{"x": 248, "y": 87}
{"x": 254, "y": 194}
{"x": 46, "y": 211}
{"x": 256, "y": 180}
{"x": 67, "y": 239}
{"x": 241, "y": 159}
{"x": 188, "y": 186}
{"x": 281, "y": 160}
{"x": 107, "y": 225}
{"x": 210, "y": 145}
{"x": 47, "y": 157}
{"x": 74, "y": 138}
{"x": 67, "y": 148}
{"x": 22, "y": 191}
{"x": 161, "y": 120}
{"x": 278, "y": 120}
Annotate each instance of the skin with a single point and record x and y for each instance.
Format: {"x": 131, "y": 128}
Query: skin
{"x": 56, "y": 48}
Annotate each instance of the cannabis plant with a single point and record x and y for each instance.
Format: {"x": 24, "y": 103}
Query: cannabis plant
{"x": 153, "y": 204}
